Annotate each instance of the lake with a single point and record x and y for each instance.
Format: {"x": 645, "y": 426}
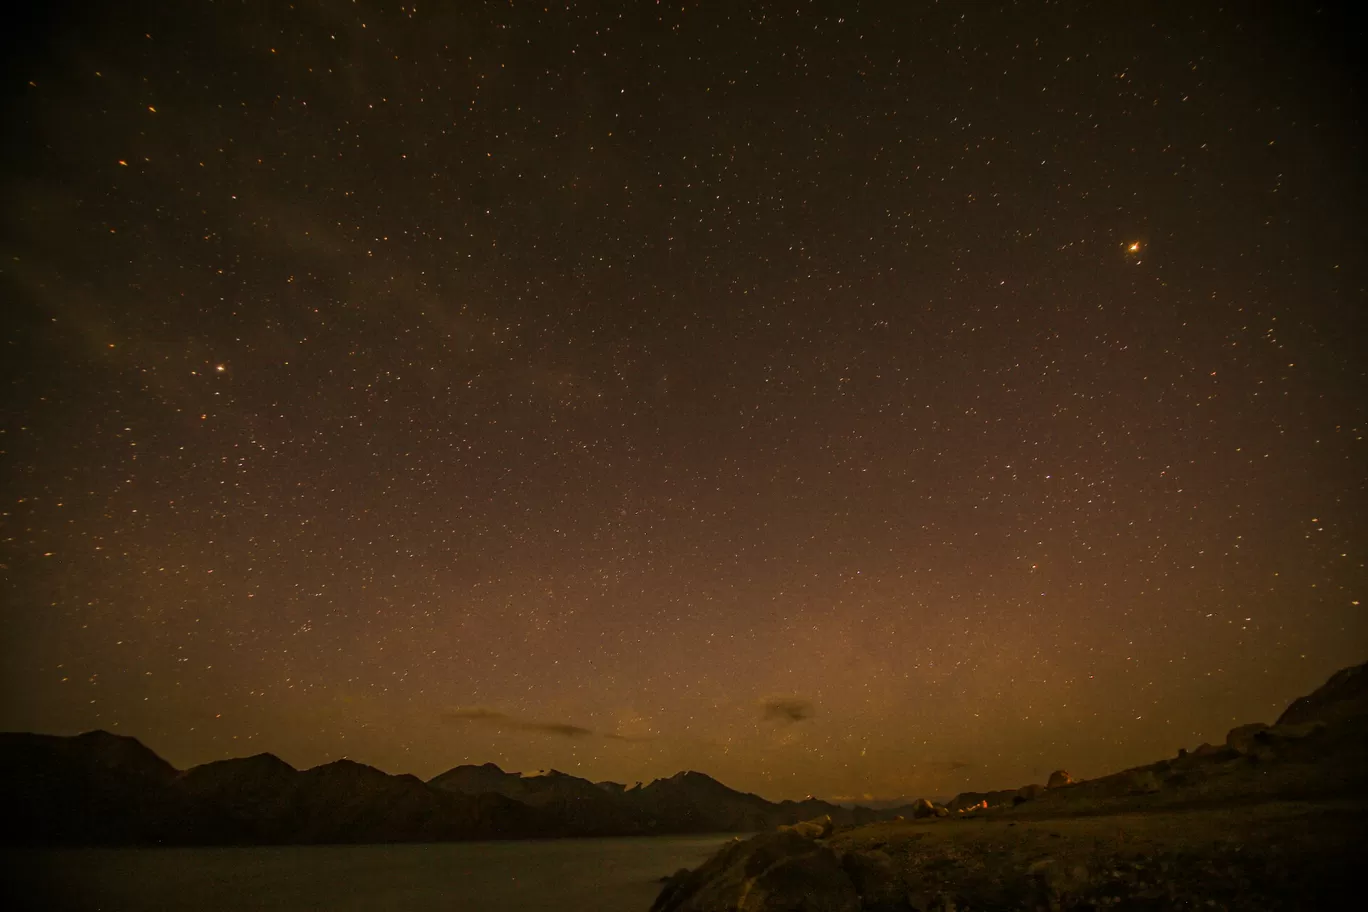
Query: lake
{"x": 565, "y": 875}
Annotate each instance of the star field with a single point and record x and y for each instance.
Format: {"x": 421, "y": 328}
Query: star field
{"x": 837, "y": 398}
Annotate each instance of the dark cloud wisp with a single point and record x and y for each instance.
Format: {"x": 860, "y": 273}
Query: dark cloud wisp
{"x": 502, "y": 720}
{"x": 786, "y": 710}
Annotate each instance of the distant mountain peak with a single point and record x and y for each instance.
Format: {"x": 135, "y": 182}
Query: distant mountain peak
{"x": 124, "y": 751}
{"x": 97, "y": 733}
{"x": 263, "y": 763}
{"x": 347, "y": 766}
{"x": 694, "y": 780}
{"x": 101, "y": 737}
{"x": 691, "y": 776}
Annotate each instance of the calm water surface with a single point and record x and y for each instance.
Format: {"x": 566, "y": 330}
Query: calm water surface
{"x": 565, "y": 875}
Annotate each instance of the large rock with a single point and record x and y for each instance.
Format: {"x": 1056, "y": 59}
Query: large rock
{"x": 923, "y": 808}
{"x": 1143, "y": 782}
{"x": 766, "y": 873}
{"x": 1059, "y": 779}
{"x": 1282, "y": 737}
{"x": 1266, "y": 742}
{"x": 1242, "y": 738}
{"x": 669, "y": 896}
{"x": 818, "y": 828}
{"x": 968, "y": 800}
{"x": 1028, "y": 793}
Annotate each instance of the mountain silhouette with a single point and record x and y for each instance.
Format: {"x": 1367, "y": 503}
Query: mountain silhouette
{"x": 104, "y": 789}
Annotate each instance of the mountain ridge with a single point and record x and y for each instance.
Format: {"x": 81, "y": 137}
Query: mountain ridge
{"x": 99, "y": 788}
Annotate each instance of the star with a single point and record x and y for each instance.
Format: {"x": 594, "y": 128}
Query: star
{"x": 631, "y": 414}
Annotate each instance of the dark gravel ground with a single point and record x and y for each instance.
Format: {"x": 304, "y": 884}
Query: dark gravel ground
{"x": 1268, "y": 856}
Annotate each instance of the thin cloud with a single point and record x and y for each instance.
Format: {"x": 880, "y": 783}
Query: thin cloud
{"x": 501, "y": 720}
{"x": 493, "y": 718}
{"x": 786, "y": 710}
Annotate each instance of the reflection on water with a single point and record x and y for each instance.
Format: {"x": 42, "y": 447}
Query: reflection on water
{"x": 563, "y": 875}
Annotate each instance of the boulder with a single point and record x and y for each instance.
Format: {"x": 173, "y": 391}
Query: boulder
{"x": 923, "y": 808}
{"x": 673, "y": 883}
{"x": 1265, "y": 742}
{"x": 1029, "y": 793}
{"x": 1297, "y": 731}
{"x": 1143, "y": 782}
{"x": 974, "y": 799}
{"x": 1281, "y": 738}
{"x": 817, "y": 828}
{"x": 766, "y": 873}
{"x": 942, "y": 811}
{"x": 1059, "y": 779}
{"x": 1243, "y": 738}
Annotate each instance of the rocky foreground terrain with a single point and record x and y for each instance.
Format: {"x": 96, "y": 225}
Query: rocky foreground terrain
{"x": 1275, "y": 818}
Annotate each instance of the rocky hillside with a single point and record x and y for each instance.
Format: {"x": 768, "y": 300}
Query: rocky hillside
{"x": 1342, "y": 699}
{"x": 1275, "y": 818}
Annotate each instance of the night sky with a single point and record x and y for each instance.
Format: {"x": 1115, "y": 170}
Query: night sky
{"x": 837, "y": 398}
